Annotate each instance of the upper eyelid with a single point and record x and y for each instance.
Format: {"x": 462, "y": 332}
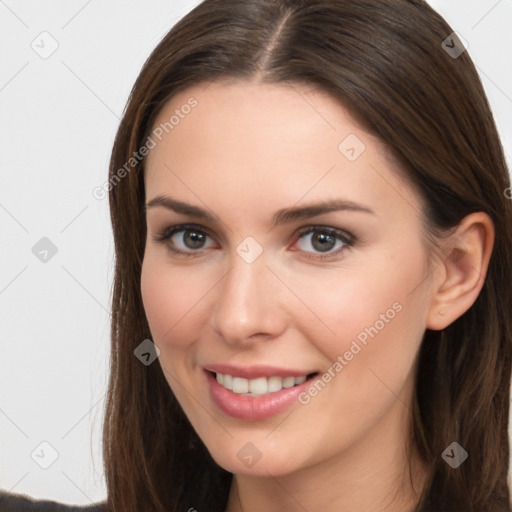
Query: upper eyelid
{"x": 176, "y": 228}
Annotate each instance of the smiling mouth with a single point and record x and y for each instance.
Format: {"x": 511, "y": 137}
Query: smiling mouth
{"x": 260, "y": 386}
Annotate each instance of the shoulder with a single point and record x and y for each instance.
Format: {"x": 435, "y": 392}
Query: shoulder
{"x": 10, "y": 502}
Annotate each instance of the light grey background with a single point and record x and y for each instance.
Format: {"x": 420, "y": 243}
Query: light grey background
{"x": 59, "y": 115}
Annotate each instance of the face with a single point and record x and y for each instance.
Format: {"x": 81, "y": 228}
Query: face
{"x": 284, "y": 278}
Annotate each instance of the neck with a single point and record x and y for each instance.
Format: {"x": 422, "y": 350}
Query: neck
{"x": 333, "y": 493}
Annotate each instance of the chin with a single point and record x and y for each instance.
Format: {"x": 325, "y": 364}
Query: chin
{"x": 245, "y": 458}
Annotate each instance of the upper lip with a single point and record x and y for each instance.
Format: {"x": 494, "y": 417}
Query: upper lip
{"x": 255, "y": 371}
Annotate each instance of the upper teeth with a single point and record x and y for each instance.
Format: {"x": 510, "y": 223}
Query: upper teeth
{"x": 259, "y": 386}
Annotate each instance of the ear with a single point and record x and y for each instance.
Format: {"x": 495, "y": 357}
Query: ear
{"x": 462, "y": 270}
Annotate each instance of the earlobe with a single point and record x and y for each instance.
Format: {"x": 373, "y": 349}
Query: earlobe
{"x": 466, "y": 258}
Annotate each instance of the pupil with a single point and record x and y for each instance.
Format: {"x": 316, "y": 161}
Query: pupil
{"x": 193, "y": 240}
{"x": 325, "y": 240}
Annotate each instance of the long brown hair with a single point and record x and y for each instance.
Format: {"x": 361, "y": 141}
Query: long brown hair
{"x": 387, "y": 62}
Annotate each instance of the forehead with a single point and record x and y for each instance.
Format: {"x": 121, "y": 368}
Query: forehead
{"x": 267, "y": 144}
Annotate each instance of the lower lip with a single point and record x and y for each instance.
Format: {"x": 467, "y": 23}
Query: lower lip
{"x": 253, "y": 408}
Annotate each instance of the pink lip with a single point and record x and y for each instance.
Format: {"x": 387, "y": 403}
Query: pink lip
{"x": 253, "y": 372}
{"x": 254, "y": 408}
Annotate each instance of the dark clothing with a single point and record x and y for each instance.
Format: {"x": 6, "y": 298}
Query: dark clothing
{"x": 18, "y": 503}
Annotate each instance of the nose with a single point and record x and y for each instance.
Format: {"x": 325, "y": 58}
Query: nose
{"x": 247, "y": 308}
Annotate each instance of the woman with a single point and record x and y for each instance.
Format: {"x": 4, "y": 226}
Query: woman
{"x": 253, "y": 107}
{"x": 312, "y": 234}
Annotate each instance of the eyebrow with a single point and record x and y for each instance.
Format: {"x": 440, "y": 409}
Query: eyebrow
{"x": 281, "y": 216}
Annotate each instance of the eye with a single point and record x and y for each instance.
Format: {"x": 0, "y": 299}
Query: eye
{"x": 186, "y": 239}
{"x": 190, "y": 240}
{"x": 324, "y": 240}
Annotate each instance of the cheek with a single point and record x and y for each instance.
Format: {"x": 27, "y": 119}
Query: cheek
{"x": 366, "y": 312}
{"x": 378, "y": 325}
{"x": 171, "y": 298}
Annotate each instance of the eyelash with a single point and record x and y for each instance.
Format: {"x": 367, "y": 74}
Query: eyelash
{"x": 345, "y": 237}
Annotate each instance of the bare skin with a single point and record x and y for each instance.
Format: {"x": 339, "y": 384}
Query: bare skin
{"x": 244, "y": 152}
